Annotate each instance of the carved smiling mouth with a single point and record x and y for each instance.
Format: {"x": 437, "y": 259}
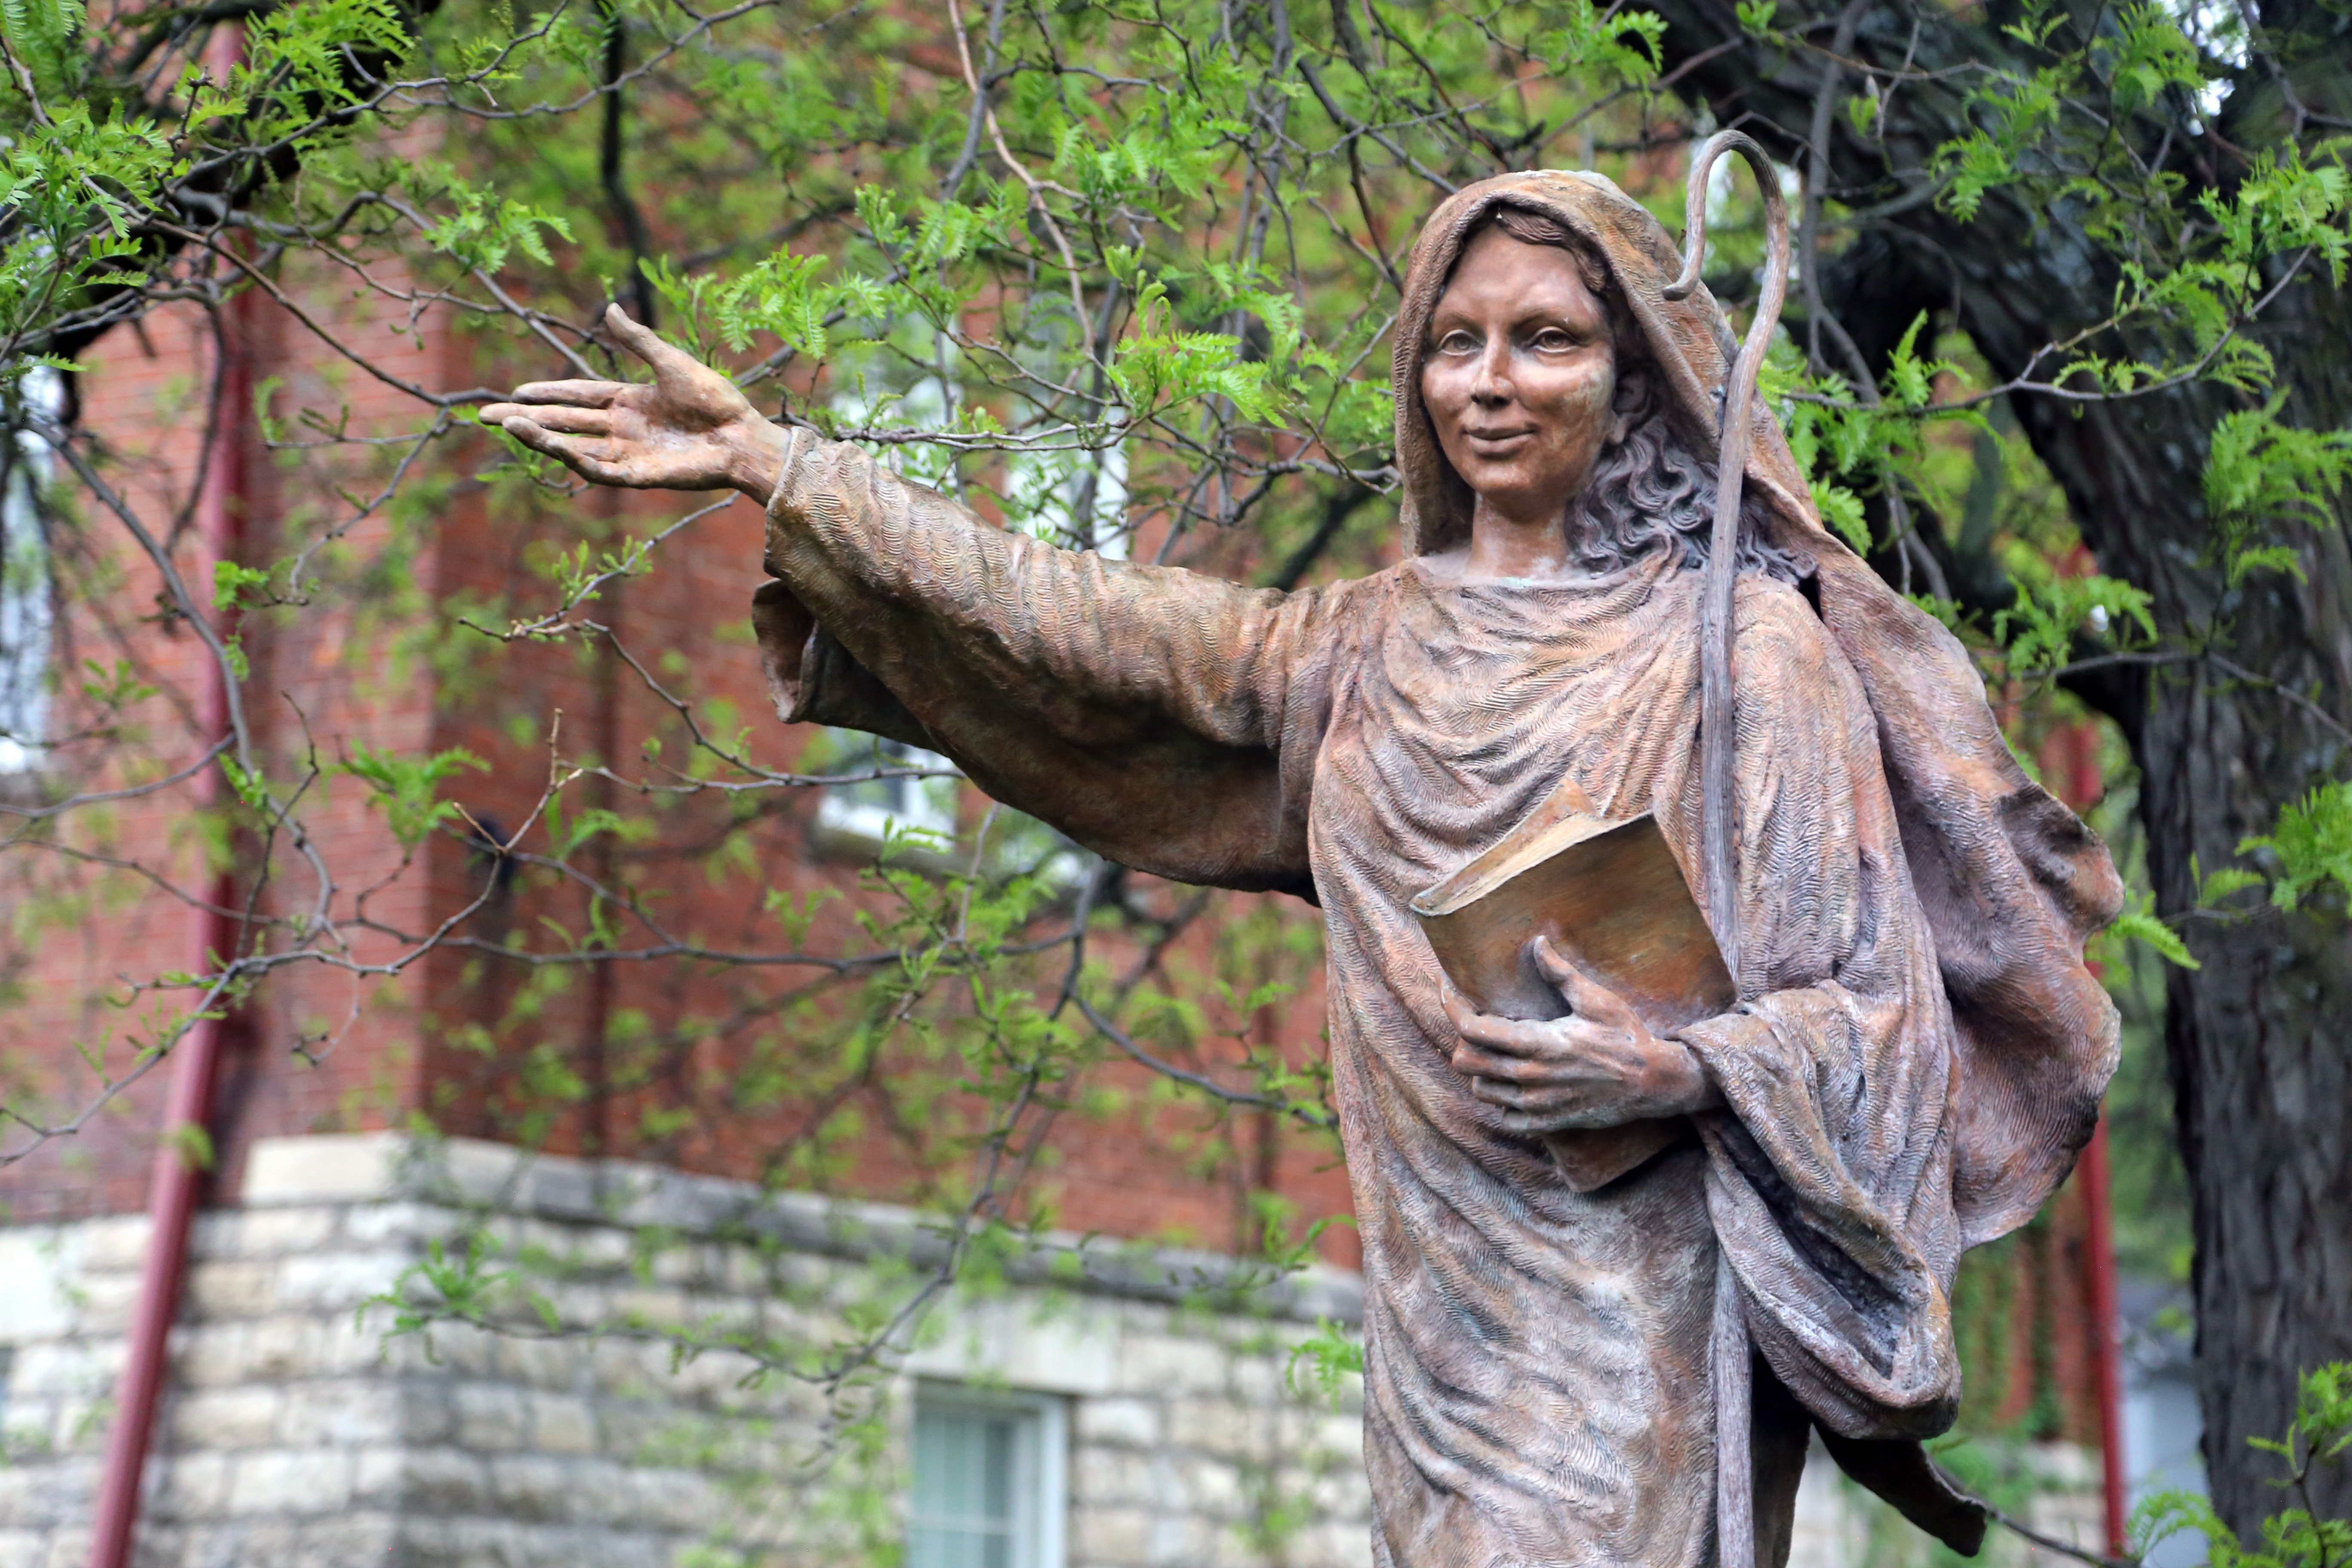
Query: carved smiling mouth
{"x": 1489, "y": 443}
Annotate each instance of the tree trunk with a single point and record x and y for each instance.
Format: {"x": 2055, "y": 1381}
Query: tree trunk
{"x": 2254, "y": 1036}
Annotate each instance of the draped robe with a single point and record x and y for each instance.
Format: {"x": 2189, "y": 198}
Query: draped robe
{"x": 1915, "y": 1056}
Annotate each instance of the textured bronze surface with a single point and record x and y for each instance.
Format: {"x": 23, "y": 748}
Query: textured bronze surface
{"x": 1610, "y": 896}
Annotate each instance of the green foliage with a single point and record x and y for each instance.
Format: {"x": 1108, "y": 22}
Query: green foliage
{"x": 1854, "y": 446}
{"x": 2050, "y": 612}
{"x": 296, "y": 69}
{"x": 405, "y": 788}
{"x": 2298, "y": 1536}
{"x": 483, "y": 228}
{"x": 2143, "y": 925}
{"x": 2289, "y": 200}
{"x": 1160, "y": 367}
{"x": 779, "y": 296}
{"x": 42, "y": 35}
{"x": 2212, "y": 889}
{"x": 1620, "y": 45}
{"x": 193, "y": 1142}
{"x": 232, "y": 584}
{"x": 448, "y": 1286}
{"x": 2021, "y": 111}
{"x": 2148, "y": 55}
{"x": 1330, "y": 1356}
{"x": 2311, "y": 843}
{"x": 2259, "y": 472}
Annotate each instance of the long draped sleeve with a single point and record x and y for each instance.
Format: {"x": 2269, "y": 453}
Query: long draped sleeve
{"x": 1829, "y": 1176}
{"x": 1164, "y": 718}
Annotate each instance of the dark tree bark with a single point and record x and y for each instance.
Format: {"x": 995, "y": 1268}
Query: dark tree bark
{"x": 2256, "y": 1037}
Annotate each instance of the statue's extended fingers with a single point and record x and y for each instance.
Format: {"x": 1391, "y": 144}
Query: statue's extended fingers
{"x": 577, "y": 394}
{"x": 528, "y": 430}
{"x": 572, "y": 421}
{"x": 588, "y": 458}
{"x": 648, "y": 345}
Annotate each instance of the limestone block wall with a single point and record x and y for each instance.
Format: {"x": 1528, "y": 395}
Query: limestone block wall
{"x": 297, "y": 1433}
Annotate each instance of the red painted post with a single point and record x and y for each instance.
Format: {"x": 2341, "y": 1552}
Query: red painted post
{"x": 2084, "y": 786}
{"x": 2106, "y": 1363}
{"x": 178, "y": 1174}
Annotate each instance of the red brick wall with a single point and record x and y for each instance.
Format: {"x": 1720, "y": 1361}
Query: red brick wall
{"x": 100, "y": 927}
{"x": 321, "y": 1049}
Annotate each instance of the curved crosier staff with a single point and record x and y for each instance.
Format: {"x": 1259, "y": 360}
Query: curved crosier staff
{"x": 1716, "y": 731}
{"x": 1728, "y": 1352}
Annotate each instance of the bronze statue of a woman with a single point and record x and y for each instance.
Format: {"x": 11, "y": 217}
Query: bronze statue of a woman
{"x": 1918, "y": 1051}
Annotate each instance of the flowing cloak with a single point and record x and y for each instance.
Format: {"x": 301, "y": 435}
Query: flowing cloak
{"x": 1917, "y": 1054}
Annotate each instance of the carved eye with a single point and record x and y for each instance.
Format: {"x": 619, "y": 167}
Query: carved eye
{"x": 1553, "y": 340}
{"x": 1457, "y": 342}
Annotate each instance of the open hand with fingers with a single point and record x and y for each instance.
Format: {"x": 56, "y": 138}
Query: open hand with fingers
{"x": 1600, "y": 1067}
{"x": 689, "y": 430}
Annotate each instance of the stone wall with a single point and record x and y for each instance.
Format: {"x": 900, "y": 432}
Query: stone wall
{"x": 298, "y": 1434}
{"x": 295, "y": 1433}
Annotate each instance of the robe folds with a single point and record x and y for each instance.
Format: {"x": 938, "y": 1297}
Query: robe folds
{"x": 1916, "y": 1058}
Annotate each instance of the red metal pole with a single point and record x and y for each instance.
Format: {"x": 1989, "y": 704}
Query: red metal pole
{"x": 171, "y": 1206}
{"x": 2084, "y": 786}
{"x": 178, "y": 1172}
{"x": 2106, "y": 1363}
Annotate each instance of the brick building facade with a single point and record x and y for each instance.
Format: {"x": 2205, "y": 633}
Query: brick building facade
{"x": 292, "y": 1432}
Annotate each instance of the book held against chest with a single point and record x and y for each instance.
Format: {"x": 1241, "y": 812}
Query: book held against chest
{"x": 1613, "y": 902}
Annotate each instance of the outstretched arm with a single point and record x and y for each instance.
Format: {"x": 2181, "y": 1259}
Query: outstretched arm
{"x": 689, "y": 430}
{"x": 1165, "y": 719}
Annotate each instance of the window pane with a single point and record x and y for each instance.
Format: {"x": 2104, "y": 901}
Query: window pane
{"x": 872, "y": 808}
{"x": 967, "y": 1467}
{"x": 25, "y": 630}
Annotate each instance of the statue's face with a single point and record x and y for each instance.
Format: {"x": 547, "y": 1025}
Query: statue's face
{"x": 1518, "y": 376}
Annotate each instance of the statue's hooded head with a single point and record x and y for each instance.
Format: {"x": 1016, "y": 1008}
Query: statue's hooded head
{"x": 1538, "y": 385}
{"x": 1653, "y": 486}
{"x": 2010, "y": 880}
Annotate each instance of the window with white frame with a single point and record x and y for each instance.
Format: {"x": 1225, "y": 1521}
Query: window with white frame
{"x": 25, "y": 628}
{"x": 860, "y": 817}
{"x": 1061, "y": 495}
{"x": 872, "y": 810}
{"x": 991, "y": 1485}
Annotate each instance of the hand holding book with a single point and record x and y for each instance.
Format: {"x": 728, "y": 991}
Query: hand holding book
{"x": 1575, "y": 913}
{"x": 1598, "y": 1067}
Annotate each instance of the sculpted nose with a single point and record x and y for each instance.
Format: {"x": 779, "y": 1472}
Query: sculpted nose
{"x": 1493, "y": 385}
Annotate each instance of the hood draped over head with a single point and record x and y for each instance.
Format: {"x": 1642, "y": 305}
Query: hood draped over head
{"x": 2012, "y": 882}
